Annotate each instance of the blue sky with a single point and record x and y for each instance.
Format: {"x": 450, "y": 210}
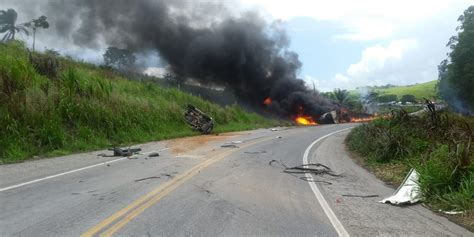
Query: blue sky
{"x": 322, "y": 54}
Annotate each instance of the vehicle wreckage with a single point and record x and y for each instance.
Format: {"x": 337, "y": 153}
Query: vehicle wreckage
{"x": 335, "y": 116}
{"x": 198, "y": 120}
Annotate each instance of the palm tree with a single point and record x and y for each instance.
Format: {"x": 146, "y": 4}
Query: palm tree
{"x": 7, "y": 24}
{"x": 36, "y": 24}
{"x": 341, "y": 96}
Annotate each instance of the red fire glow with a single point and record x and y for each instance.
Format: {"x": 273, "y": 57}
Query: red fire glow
{"x": 267, "y": 101}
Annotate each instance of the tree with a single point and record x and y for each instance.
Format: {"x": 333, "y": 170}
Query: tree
{"x": 456, "y": 73}
{"x": 341, "y": 96}
{"x": 8, "y": 25}
{"x": 119, "y": 57}
{"x": 370, "y": 97}
{"x": 387, "y": 98}
{"x": 37, "y": 24}
{"x": 408, "y": 98}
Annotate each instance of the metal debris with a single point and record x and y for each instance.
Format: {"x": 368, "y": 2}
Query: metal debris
{"x": 304, "y": 178}
{"x": 361, "y": 196}
{"x": 121, "y": 152}
{"x": 151, "y": 177}
{"x": 230, "y": 146}
{"x": 408, "y": 192}
{"x": 255, "y": 152}
{"x": 198, "y": 120}
{"x": 313, "y": 168}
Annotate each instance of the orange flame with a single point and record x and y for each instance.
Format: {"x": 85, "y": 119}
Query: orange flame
{"x": 361, "y": 120}
{"x": 305, "y": 120}
{"x": 369, "y": 118}
{"x": 267, "y": 101}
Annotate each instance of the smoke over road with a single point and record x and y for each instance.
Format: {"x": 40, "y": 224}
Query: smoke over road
{"x": 199, "y": 41}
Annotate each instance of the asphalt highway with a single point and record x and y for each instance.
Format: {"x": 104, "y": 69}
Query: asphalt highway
{"x": 196, "y": 187}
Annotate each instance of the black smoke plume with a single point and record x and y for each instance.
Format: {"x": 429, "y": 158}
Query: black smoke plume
{"x": 199, "y": 41}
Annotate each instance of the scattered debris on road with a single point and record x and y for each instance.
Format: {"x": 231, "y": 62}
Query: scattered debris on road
{"x": 279, "y": 137}
{"x": 360, "y": 196}
{"x": 255, "y": 152}
{"x": 123, "y": 152}
{"x": 198, "y": 120}
{"x": 151, "y": 177}
{"x": 452, "y": 212}
{"x": 230, "y": 146}
{"x": 154, "y": 154}
{"x": 313, "y": 168}
{"x": 311, "y": 179}
{"x": 408, "y": 192}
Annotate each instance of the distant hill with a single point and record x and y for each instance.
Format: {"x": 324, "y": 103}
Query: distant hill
{"x": 420, "y": 91}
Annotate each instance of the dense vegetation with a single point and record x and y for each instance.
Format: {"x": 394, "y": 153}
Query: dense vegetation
{"x": 51, "y": 105}
{"x": 456, "y": 74}
{"x": 437, "y": 145}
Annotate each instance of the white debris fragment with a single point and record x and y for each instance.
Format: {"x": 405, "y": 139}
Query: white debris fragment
{"x": 452, "y": 212}
{"x": 408, "y": 192}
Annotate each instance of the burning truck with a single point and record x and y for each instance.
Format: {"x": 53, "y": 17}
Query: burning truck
{"x": 335, "y": 116}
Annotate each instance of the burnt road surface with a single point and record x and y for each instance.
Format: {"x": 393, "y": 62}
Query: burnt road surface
{"x": 197, "y": 187}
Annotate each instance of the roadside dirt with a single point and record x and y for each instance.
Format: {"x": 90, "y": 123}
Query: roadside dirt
{"x": 187, "y": 144}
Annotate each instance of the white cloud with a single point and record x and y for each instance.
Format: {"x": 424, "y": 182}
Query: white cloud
{"x": 380, "y": 65}
{"x": 374, "y": 58}
{"x": 363, "y": 19}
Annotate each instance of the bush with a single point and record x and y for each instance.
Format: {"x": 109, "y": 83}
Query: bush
{"x": 387, "y": 98}
{"x": 45, "y": 64}
{"x": 408, "y": 98}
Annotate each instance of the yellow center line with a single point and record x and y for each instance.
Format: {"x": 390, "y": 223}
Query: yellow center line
{"x": 135, "y": 208}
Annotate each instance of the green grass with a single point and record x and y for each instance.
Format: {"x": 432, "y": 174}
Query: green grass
{"x": 420, "y": 91}
{"x": 86, "y": 107}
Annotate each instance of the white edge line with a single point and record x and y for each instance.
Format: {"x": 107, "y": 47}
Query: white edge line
{"x": 341, "y": 231}
{"x": 72, "y": 171}
{"x": 60, "y": 174}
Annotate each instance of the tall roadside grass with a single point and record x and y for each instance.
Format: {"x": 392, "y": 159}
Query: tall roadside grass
{"x": 437, "y": 145}
{"x": 82, "y": 107}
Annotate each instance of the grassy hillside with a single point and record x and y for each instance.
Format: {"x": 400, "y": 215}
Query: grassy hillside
{"x": 420, "y": 91}
{"x": 85, "y": 107}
